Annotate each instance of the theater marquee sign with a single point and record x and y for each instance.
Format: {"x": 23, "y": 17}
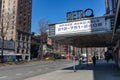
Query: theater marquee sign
{"x": 78, "y": 14}
{"x": 89, "y": 25}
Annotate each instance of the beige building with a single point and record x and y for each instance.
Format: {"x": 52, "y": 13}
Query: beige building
{"x": 18, "y": 12}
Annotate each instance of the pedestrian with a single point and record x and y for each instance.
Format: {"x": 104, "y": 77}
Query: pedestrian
{"x": 107, "y": 56}
{"x": 97, "y": 57}
{"x": 80, "y": 60}
{"x": 94, "y": 60}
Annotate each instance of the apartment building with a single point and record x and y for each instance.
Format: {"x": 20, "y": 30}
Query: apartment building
{"x": 19, "y": 13}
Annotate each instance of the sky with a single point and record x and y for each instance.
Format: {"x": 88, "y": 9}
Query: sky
{"x": 55, "y": 10}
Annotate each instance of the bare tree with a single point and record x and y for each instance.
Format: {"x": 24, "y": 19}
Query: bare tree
{"x": 4, "y": 26}
{"x": 43, "y": 26}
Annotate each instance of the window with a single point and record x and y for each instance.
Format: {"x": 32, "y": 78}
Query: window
{"x": 3, "y": 6}
{"x": 17, "y": 50}
{"x": 3, "y": 10}
{"x": 27, "y": 39}
{"x": 11, "y": 39}
{"x": 14, "y": 1}
{"x": 23, "y": 38}
{"x": 13, "y": 12}
{"x": 20, "y": 9}
{"x": 20, "y": 1}
{"x": 27, "y": 51}
{"x": 30, "y": 1}
{"x": 25, "y": 1}
{"x": 23, "y": 51}
{"x": 13, "y": 17}
{"x": 13, "y": 22}
{"x": 18, "y": 37}
{"x": 9, "y": 4}
{"x": 12, "y": 32}
{"x": 19, "y": 45}
{"x": 14, "y": 7}
{"x": 4, "y": 1}
{"x": 12, "y": 27}
{"x": 24, "y": 24}
{"x": 19, "y": 22}
{"x": 8, "y": 8}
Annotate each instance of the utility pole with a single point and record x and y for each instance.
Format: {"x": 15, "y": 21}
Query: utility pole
{"x": 87, "y": 56}
{"x": 41, "y": 46}
{"x": 54, "y": 49}
{"x": 74, "y": 61}
{"x": 68, "y": 51}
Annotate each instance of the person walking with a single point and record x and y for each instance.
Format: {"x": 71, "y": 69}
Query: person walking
{"x": 94, "y": 60}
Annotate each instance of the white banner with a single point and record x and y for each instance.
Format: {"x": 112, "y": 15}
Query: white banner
{"x": 89, "y": 25}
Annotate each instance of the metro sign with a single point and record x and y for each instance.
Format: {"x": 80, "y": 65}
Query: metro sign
{"x": 78, "y": 14}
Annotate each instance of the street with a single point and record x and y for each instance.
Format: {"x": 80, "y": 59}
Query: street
{"x": 61, "y": 70}
{"x": 21, "y": 72}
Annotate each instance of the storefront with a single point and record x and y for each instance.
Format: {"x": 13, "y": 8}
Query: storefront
{"x": 8, "y": 51}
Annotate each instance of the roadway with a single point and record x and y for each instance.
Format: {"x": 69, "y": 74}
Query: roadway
{"x": 21, "y": 72}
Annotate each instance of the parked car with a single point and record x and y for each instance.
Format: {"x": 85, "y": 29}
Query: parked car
{"x": 49, "y": 58}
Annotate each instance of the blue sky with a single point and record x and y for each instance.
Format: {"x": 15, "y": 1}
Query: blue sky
{"x": 55, "y": 10}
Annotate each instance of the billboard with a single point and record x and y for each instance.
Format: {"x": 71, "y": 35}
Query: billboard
{"x": 88, "y": 25}
{"x": 8, "y": 45}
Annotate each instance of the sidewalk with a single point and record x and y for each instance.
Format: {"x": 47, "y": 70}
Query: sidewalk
{"x": 102, "y": 71}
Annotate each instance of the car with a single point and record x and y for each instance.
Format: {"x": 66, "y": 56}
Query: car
{"x": 49, "y": 58}
{"x": 84, "y": 59}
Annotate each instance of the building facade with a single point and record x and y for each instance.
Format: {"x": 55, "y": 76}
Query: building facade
{"x": 9, "y": 49}
{"x": 35, "y": 45}
{"x": 111, "y": 6}
{"x": 19, "y": 29}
